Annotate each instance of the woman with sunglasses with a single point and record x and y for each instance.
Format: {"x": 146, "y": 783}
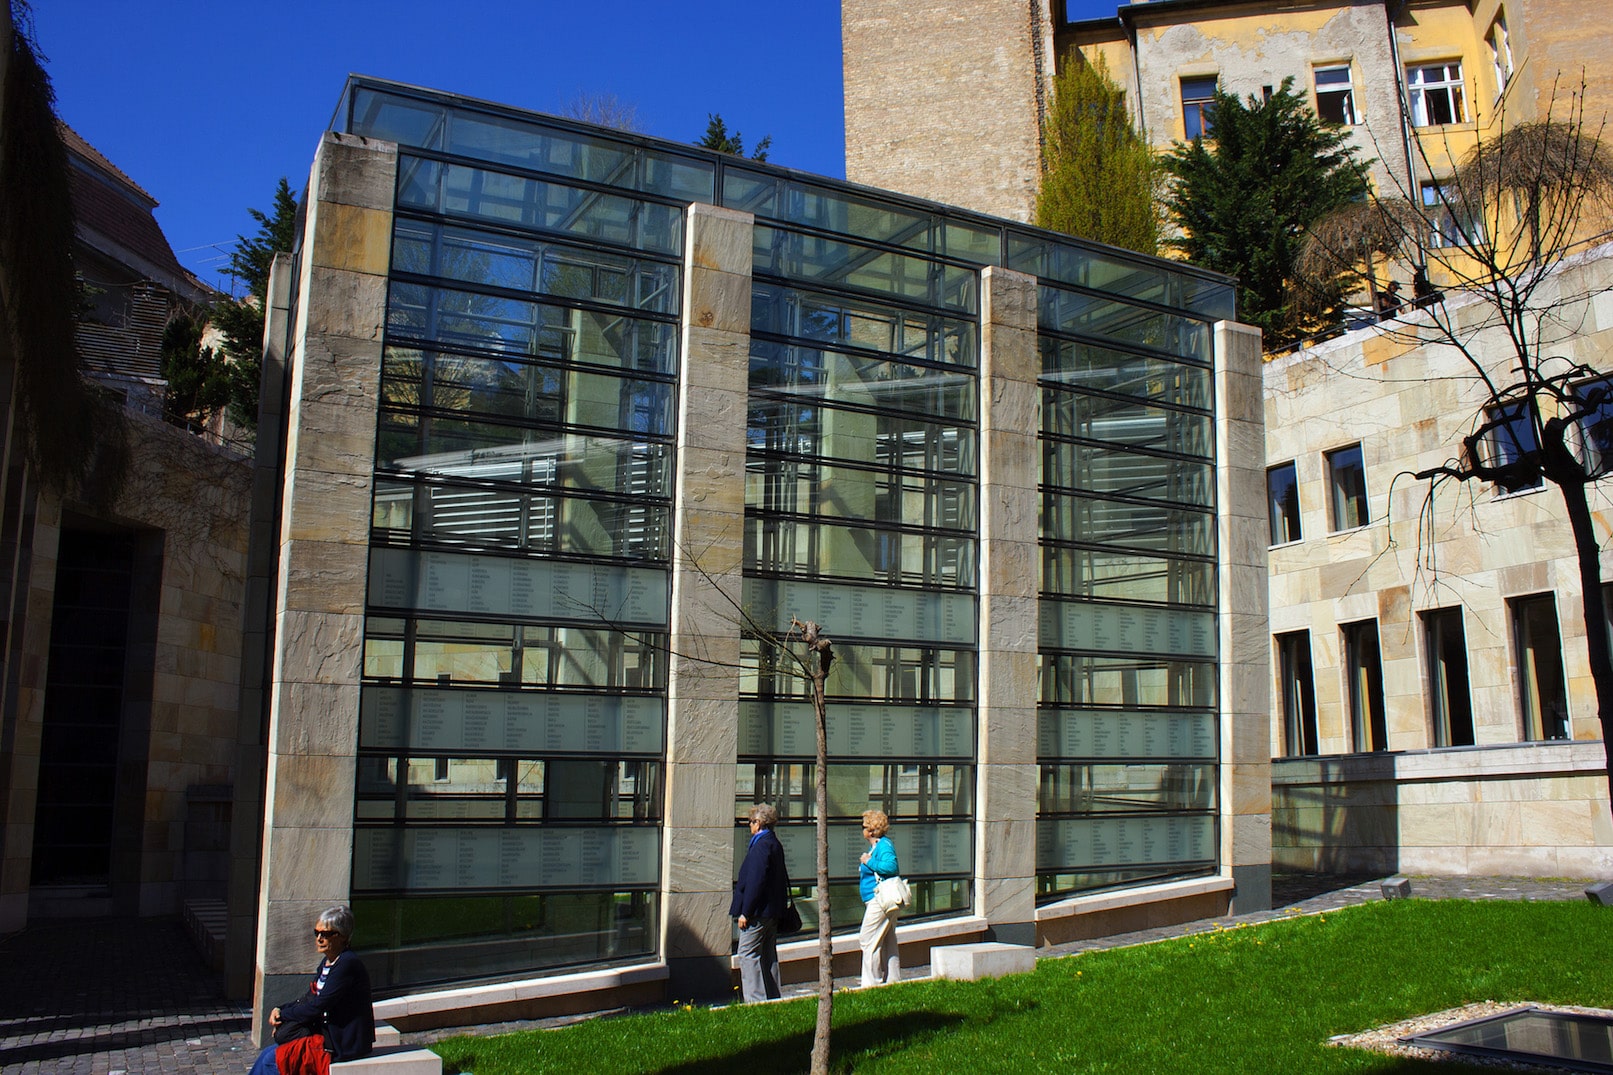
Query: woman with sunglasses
{"x": 335, "y": 1019}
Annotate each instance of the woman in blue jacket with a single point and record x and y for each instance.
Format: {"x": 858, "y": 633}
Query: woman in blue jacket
{"x": 336, "y": 1013}
{"x": 882, "y": 960}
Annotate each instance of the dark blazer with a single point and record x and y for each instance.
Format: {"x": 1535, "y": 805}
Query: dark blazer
{"x": 343, "y": 1007}
{"x": 763, "y": 887}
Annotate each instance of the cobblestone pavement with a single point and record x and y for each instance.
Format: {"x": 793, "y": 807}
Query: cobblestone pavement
{"x": 132, "y": 997}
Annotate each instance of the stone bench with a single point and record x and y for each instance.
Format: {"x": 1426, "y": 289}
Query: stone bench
{"x": 987, "y": 959}
{"x": 391, "y": 1057}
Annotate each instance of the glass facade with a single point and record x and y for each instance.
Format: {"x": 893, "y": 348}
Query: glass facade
{"x": 513, "y": 724}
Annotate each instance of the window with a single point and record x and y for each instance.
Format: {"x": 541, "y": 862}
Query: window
{"x": 1449, "y": 700}
{"x": 1363, "y": 663}
{"x": 1452, "y": 224}
{"x": 1335, "y": 98}
{"x": 1500, "y": 54}
{"x": 1347, "y": 488}
{"x": 1197, "y": 96}
{"x": 1511, "y": 442}
{"x": 1596, "y": 426}
{"x": 1435, "y": 92}
{"x": 1282, "y": 494}
{"x": 1298, "y": 694}
{"x": 1542, "y": 695}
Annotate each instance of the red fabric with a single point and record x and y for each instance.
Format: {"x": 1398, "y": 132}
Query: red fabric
{"x": 305, "y": 1056}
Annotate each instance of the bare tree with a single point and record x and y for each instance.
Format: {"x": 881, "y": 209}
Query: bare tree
{"x": 602, "y": 110}
{"x": 1495, "y": 238}
{"x": 808, "y": 652}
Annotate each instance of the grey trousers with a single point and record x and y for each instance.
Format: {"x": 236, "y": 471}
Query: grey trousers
{"x": 758, "y": 961}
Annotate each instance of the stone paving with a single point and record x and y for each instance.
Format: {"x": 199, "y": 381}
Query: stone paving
{"x": 131, "y": 996}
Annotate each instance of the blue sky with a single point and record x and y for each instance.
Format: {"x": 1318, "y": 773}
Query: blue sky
{"x": 207, "y": 105}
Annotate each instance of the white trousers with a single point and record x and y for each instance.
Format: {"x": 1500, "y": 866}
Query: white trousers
{"x": 882, "y": 958}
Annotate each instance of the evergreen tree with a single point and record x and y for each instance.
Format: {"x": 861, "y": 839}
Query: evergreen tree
{"x": 1243, "y": 196}
{"x": 241, "y": 320}
{"x": 199, "y": 382}
{"x": 1099, "y": 177}
{"x": 718, "y": 137}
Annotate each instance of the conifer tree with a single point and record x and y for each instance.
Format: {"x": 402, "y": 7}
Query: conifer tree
{"x": 1243, "y": 195}
{"x": 1099, "y": 178}
{"x": 241, "y": 320}
{"x": 718, "y": 137}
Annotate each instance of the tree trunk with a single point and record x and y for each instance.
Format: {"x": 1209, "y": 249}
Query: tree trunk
{"x": 1596, "y": 633}
{"x": 820, "y": 1037}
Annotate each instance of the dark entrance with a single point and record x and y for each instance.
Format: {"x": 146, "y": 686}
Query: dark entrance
{"x": 84, "y": 704}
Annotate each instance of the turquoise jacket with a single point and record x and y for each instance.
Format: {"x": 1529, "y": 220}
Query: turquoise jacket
{"x": 880, "y": 865}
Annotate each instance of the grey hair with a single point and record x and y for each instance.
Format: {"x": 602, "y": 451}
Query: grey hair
{"x": 338, "y": 918}
{"x": 764, "y": 814}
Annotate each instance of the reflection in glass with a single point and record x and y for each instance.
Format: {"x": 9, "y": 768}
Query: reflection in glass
{"x": 1145, "y": 787}
{"x": 546, "y": 655}
{"x": 916, "y": 790}
{"x": 1073, "y": 679}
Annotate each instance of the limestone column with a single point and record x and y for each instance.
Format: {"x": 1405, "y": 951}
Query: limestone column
{"x": 317, "y": 658}
{"x": 707, "y": 554}
{"x": 1005, "y": 825}
{"x": 1242, "y": 539}
{"x": 246, "y": 818}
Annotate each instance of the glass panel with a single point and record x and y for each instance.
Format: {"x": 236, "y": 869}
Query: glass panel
{"x": 1090, "y": 788}
{"x": 1106, "y": 843}
{"x": 484, "y": 323}
{"x": 836, "y": 551}
{"x": 1298, "y": 694}
{"x": 1127, "y": 474}
{"x": 863, "y": 611}
{"x": 441, "y": 720}
{"x": 1112, "y": 573}
{"x": 866, "y": 379}
{"x": 1446, "y": 651}
{"x": 839, "y": 263}
{"x": 1282, "y": 499}
{"x": 925, "y": 337}
{"x": 532, "y": 265}
{"x": 459, "y": 653}
{"x": 1151, "y": 528}
{"x": 891, "y": 440}
{"x": 779, "y": 728}
{"x": 1126, "y": 628}
{"x": 468, "y": 449}
{"x": 1100, "y": 369}
{"x": 921, "y": 791}
{"x": 806, "y": 487}
{"x": 1542, "y": 689}
{"x": 1073, "y": 312}
{"x": 397, "y": 119}
{"x": 1070, "y": 679}
{"x": 1127, "y": 422}
{"x": 866, "y": 671}
{"x": 1363, "y": 666}
{"x": 1347, "y": 482}
{"x": 424, "y": 940}
{"x": 1125, "y": 733}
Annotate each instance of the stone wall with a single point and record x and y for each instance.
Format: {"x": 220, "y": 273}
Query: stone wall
{"x": 943, "y": 100}
{"x": 1531, "y": 809}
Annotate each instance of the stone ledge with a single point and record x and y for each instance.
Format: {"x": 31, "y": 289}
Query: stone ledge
{"x": 482, "y": 996}
{"x": 393, "y": 1060}
{"x": 1135, "y": 897}
{"x": 988, "y": 959}
{"x": 846, "y": 943}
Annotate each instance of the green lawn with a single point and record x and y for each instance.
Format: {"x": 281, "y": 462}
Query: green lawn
{"x": 1260, "y": 999}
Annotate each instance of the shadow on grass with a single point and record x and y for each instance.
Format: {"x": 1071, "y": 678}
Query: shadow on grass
{"x": 867, "y": 1038}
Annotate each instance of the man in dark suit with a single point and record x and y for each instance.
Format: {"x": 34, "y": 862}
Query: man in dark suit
{"x": 760, "y": 896}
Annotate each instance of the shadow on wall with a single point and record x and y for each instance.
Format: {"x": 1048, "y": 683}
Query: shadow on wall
{"x": 1335, "y": 815}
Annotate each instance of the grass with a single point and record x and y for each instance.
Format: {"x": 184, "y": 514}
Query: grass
{"x": 1258, "y": 999}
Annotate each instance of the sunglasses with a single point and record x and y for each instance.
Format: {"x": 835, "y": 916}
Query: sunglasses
{"x": 327, "y": 933}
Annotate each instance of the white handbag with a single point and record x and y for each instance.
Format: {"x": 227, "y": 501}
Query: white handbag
{"x": 892, "y": 894}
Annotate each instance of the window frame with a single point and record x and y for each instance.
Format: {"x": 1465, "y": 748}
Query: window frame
{"x": 1296, "y": 693}
{"x": 1533, "y": 701}
{"x": 1363, "y": 672}
{"x": 1195, "y": 124}
{"x": 1420, "y": 92}
{"x": 1509, "y": 427}
{"x": 1340, "y": 519}
{"x": 1349, "y": 115}
{"x": 1443, "y": 634}
{"x": 1595, "y": 430}
{"x": 1283, "y": 509}
{"x": 1500, "y": 44}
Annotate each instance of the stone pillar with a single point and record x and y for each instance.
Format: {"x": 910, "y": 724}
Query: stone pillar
{"x": 246, "y": 818}
{"x": 323, "y": 558}
{"x": 1245, "y": 644}
{"x": 1010, "y": 567}
{"x": 707, "y": 554}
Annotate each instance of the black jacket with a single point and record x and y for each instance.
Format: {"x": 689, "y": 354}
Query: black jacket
{"x": 763, "y": 887}
{"x": 343, "y": 1007}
